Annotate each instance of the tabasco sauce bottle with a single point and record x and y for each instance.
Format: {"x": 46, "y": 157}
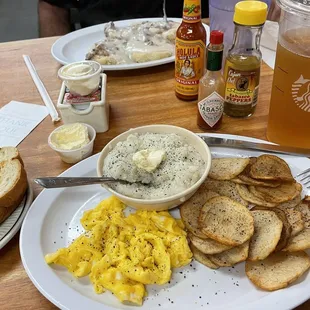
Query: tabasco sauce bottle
{"x": 212, "y": 86}
{"x": 190, "y": 51}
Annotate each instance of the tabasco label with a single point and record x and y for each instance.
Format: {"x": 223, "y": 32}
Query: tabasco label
{"x": 189, "y": 65}
{"x": 191, "y": 11}
{"x": 211, "y": 108}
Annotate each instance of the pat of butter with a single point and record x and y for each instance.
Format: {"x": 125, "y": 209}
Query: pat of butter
{"x": 148, "y": 160}
{"x": 70, "y": 137}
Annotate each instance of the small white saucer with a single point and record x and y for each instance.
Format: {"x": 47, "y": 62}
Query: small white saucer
{"x": 12, "y": 224}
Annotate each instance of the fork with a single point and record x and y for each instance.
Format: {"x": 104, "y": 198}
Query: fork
{"x": 305, "y": 178}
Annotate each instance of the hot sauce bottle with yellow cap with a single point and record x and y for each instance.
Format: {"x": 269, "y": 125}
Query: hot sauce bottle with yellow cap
{"x": 212, "y": 86}
{"x": 190, "y": 51}
{"x": 243, "y": 61}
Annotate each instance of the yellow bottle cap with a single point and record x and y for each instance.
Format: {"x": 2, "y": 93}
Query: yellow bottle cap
{"x": 250, "y": 13}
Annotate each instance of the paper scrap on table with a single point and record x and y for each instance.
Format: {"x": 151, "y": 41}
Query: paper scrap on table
{"x": 17, "y": 120}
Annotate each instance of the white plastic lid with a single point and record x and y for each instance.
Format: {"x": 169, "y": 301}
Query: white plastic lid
{"x": 79, "y": 70}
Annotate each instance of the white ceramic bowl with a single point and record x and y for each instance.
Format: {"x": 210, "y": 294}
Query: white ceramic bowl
{"x": 74, "y": 156}
{"x": 167, "y": 202}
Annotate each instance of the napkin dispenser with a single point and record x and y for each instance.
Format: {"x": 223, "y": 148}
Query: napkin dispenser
{"x": 94, "y": 113}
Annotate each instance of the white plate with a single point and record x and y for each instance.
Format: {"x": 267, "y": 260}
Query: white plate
{"x": 53, "y": 221}
{"x": 75, "y": 45}
{"x": 11, "y": 225}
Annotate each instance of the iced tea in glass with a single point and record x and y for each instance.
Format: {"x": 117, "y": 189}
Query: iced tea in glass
{"x": 289, "y": 115}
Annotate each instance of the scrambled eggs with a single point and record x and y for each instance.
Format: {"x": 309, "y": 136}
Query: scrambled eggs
{"x": 122, "y": 254}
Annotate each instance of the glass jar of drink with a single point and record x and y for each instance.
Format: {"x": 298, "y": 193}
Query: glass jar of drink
{"x": 289, "y": 115}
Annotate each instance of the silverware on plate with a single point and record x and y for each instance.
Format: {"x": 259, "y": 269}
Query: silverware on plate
{"x": 273, "y": 148}
{"x": 304, "y": 178}
{"x": 57, "y": 182}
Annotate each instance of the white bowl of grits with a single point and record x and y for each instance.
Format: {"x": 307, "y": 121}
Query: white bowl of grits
{"x": 163, "y": 165}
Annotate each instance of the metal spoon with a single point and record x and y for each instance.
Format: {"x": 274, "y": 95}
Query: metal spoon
{"x": 57, "y": 182}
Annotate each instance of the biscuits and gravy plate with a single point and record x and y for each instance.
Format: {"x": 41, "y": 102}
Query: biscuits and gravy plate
{"x": 76, "y": 45}
{"x": 56, "y": 214}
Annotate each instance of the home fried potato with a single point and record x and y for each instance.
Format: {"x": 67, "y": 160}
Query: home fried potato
{"x": 190, "y": 210}
{"x": 278, "y": 270}
{"x": 227, "y": 168}
{"x": 226, "y": 221}
{"x": 202, "y": 258}
{"x": 231, "y": 257}
{"x": 248, "y": 196}
{"x": 271, "y": 167}
{"x": 267, "y": 233}
{"x": 225, "y": 188}
{"x": 282, "y": 193}
{"x": 208, "y": 246}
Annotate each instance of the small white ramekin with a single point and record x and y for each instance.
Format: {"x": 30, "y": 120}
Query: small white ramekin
{"x": 74, "y": 156}
{"x": 82, "y": 85}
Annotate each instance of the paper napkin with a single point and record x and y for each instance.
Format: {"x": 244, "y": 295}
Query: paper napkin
{"x": 17, "y": 120}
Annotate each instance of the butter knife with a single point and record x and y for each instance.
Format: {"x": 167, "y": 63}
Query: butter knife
{"x": 272, "y": 148}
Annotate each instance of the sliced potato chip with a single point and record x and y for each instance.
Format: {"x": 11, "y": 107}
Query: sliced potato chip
{"x": 286, "y": 229}
{"x": 267, "y": 233}
{"x": 250, "y": 181}
{"x": 300, "y": 242}
{"x": 208, "y": 246}
{"x": 190, "y": 210}
{"x": 238, "y": 181}
{"x": 227, "y": 168}
{"x": 304, "y": 208}
{"x": 290, "y": 204}
{"x": 231, "y": 257}
{"x": 278, "y": 270}
{"x": 248, "y": 196}
{"x": 295, "y": 220}
{"x": 202, "y": 258}
{"x": 271, "y": 167}
{"x": 245, "y": 177}
{"x": 282, "y": 193}
{"x": 225, "y": 188}
{"x": 226, "y": 221}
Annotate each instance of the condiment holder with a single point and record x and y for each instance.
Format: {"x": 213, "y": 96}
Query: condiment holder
{"x": 82, "y": 97}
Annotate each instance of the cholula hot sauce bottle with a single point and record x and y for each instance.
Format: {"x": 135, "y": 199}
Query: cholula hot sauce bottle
{"x": 190, "y": 51}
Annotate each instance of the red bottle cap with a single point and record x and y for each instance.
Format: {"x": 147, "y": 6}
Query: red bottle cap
{"x": 216, "y": 37}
